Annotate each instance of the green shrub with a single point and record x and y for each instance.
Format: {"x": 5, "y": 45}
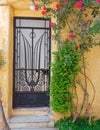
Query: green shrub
{"x": 64, "y": 69}
{"x": 80, "y": 124}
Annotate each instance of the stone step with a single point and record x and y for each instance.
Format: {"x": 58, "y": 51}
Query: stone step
{"x": 28, "y": 122}
{"x": 31, "y": 111}
{"x": 37, "y": 129}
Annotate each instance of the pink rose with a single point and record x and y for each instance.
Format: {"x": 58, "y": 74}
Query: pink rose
{"x": 78, "y": 4}
{"x": 66, "y": 1}
{"x": 98, "y": 1}
{"x": 71, "y": 35}
{"x": 52, "y": 24}
{"x": 44, "y": 8}
{"x": 83, "y": 8}
{"x": 43, "y": 12}
{"x": 36, "y": 7}
{"x": 58, "y": 6}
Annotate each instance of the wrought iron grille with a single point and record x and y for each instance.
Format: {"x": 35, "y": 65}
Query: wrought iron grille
{"x": 31, "y": 62}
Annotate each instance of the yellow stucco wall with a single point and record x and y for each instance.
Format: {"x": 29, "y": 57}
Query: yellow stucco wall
{"x": 6, "y": 27}
{"x": 93, "y": 71}
{"x": 7, "y": 14}
{"x": 6, "y": 73}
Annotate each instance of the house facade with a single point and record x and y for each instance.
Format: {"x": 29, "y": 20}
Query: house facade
{"x": 27, "y": 45}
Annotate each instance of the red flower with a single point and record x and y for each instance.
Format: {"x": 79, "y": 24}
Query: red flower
{"x": 83, "y": 8}
{"x": 66, "y": 1}
{"x": 98, "y": 1}
{"x": 43, "y": 12}
{"x": 44, "y": 8}
{"x": 36, "y": 7}
{"x": 52, "y": 24}
{"x": 85, "y": 26}
{"x": 78, "y": 4}
{"x": 71, "y": 35}
{"x": 58, "y": 6}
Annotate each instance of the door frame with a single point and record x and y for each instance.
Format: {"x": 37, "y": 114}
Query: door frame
{"x": 34, "y": 18}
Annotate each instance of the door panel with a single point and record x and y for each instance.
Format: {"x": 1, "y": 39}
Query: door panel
{"x": 31, "y": 62}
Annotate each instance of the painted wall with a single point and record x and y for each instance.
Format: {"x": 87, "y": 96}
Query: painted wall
{"x": 6, "y": 73}
{"x": 6, "y": 45}
{"x": 93, "y": 71}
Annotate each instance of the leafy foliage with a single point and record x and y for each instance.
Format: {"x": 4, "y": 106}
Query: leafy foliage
{"x": 96, "y": 28}
{"x": 80, "y": 124}
{"x": 78, "y": 21}
{"x": 64, "y": 69}
{"x": 1, "y": 60}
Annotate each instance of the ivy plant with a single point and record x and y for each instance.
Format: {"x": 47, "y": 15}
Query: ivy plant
{"x": 64, "y": 70}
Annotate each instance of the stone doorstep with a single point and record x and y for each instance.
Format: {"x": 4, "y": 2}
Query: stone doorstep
{"x": 31, "y": 111}
{"x": 21, "y": 122}
{"x": 37, "y": 129}
{"x": 30, "y": 119}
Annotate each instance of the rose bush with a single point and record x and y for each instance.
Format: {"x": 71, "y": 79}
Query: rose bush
{"x": 77, "y": 24}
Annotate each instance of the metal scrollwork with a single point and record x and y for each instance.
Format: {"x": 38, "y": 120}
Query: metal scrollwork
{"x": 32, "y": 57}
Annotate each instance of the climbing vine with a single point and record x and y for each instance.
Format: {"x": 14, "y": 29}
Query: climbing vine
{"x": 77, "y": 24}
{"x": 65, "y": 68}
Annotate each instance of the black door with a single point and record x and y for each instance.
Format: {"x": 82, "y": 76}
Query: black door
{"x": 31, "y": 62}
